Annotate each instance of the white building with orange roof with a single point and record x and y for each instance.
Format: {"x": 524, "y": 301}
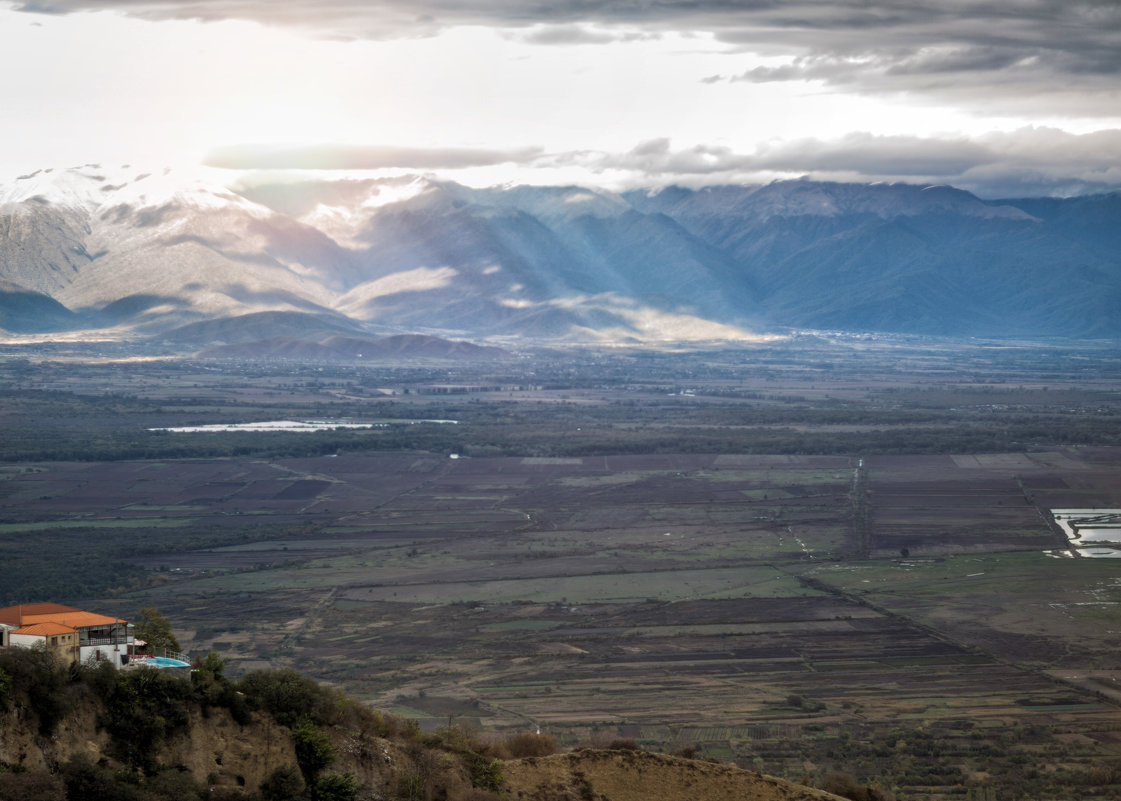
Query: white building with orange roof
{"x": 59, "y": 638}
{"x": 77, "y": 635}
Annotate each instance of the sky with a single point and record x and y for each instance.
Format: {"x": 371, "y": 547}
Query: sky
{"x": 1001, "y": 97}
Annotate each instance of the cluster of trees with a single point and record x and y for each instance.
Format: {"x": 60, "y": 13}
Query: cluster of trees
{"x": 143, "y": 709}
{"x": 99, "y": 560}
{"x": 95, "y": 564}
{"x": 56, "y": 425}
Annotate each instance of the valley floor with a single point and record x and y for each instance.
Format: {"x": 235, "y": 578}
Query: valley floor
{"x": 901, "y": 616}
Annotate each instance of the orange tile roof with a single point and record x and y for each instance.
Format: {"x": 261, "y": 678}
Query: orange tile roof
{"x": 45, "y": 629}
{"x": 76, "y": 619}
{"x": 29, "y": 614}
{"x": 12, "y": 614}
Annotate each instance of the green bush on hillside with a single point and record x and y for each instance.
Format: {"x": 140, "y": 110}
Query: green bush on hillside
{"x": 338, "y": 787}
{"x": 37, "y": 674}
{"x": 313, "y": 750}
{"x": 283, "y": 784}
{"x": 291, "y": 697}
{"x": 142, "y": 710}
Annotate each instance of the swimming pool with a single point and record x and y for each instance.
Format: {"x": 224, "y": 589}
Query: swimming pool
{"x": 164, "y": 662}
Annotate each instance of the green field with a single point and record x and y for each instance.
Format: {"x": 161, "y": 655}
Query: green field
{"x": 62, "y": 525}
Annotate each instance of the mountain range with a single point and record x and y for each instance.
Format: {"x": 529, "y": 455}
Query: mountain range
{"x": 185, "y": 263}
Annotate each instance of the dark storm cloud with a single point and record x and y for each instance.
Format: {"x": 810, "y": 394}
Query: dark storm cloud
{"x": 1004, "y": 78}
{"x": 970, "y": 49}
{"x": 1022, "y": 56}
{"x": 821, "y": 25}
{"x": 342, "y": 157}
{"x": 1031, "y": 161}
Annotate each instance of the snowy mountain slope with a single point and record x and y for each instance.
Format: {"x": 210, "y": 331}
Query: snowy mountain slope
{"x": 156, "y": 251}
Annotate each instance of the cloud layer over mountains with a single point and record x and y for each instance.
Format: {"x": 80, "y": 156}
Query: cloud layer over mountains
{"x": 1034, "y": 161}
{"x": 996, "y": 96}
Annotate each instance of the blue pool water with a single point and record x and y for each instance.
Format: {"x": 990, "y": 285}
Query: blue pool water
{"x": 165, "y": 661}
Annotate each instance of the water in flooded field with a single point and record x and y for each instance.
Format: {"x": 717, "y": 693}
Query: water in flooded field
{"x": 1092, "y": 533}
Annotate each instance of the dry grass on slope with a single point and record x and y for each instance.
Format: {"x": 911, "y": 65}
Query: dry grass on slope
{"x": 597, "y": 775}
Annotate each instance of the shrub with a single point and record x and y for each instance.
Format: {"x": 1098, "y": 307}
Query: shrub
{"x": 142, "y": 710}
{"x": 623, "y": 745}
{"x": 530, "y": 745}
{"x": 283, "y": 784}
{"x": 845, "y": 784}
{"x": 485, "y": 773}
{"x": 100, "y": 677}
{"x": 211, "y": 666}
{"x": 235, "y": 702}
{"x": 5, "y": 690}
{"x": 85, "y": 781}
{"x": 410, "y": 787}
{"x": 340, "y": 787}
{"x": 365, "y": 719}
{"x": 174, "y": 785}
{"x": 290, "y": 697}
{"x": 43, "y": 679}
{"x": 31, "y": 786}
{"x": 313, "y": 750}
{"x": 497, "y": 750}
{"x": 155, "y": 630}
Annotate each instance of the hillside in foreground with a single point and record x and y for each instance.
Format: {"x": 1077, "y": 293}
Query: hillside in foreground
{"x": 81, "y": 733}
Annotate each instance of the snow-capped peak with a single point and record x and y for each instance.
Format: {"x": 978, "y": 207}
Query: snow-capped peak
{"x": 70, "y": 187}
{"x": 95, "y": 186}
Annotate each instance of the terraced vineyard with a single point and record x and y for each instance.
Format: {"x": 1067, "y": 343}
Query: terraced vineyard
{"x": 716, "y": 602}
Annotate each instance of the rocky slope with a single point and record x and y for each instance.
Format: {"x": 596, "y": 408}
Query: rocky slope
{"x": 214, "y": 745}
{"x": 183, "y": 740}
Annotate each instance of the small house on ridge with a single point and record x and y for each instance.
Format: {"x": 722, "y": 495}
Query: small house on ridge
{"x": 74, "y": 634}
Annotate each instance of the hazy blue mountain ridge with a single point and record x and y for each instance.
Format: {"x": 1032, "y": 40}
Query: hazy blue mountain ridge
{"x": 147, "y": 254}
{"x": 24, "y": 310}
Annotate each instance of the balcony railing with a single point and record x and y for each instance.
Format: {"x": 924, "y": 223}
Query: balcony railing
{"x": 120, "y": 639}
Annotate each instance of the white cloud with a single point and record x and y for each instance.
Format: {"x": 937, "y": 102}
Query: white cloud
{"x": 362, "y": 157}
{"x": 1032, "y": 160}
{"x": 713, "y": 90}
